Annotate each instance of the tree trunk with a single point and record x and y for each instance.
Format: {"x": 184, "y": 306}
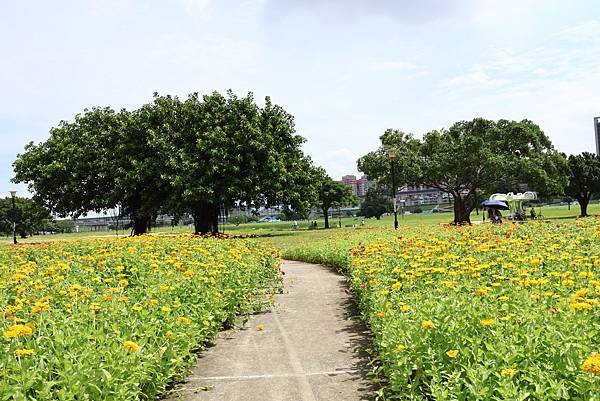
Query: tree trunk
{"x": 206, "y": 219}
{"x": 326, "y": 213}
{"x": 140, "y": 225}
{"x": 462, "y": 209}
{"x": 583, "y": 204}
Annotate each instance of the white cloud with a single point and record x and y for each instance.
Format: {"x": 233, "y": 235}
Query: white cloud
{"x": 336, "y": 162}
{"x": 473, "y": 80}
{"x": 395, "y": 65}
{"x": 586, "y": 31}
{"x": 195, "y": 5}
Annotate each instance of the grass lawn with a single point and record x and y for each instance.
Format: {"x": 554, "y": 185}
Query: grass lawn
{"x": 281, "y": 234}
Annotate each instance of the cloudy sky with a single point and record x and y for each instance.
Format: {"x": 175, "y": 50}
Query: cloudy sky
{"x": 346, "y": 69}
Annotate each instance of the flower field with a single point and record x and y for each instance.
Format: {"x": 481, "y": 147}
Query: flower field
{"x": 509, "y": 312}
{"x": 118, "y": 319}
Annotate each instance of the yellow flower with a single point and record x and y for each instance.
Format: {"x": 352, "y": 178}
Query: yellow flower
{"x": 503, "y": 298}
{"x": 260, "y": 327}
{"x": 592, "y": 364}
{"x": 452, "y": 353}
{"x": 380, "y": 314}
{"x": 397, "y": 285}
{"x": 404, "y": 308}
{"x": 18, "y": 330}
{"x": 136, "y": 308}
{"x": 580, "y": 306}
{"x": 25, "y": 351}
{"x": 165, "y": 309}
{"x": 486, "y": 322}
{"x": 131, "y": 346}
{"x": 508, "y": 372}
{"x": 427, "y": 324}
{"x": 183, "y": 320}
{"x": 400, "y": 348}
{"x": 95, "y": 306}
{"x": 123, "y": 283}
{"x": 169, "y": 334}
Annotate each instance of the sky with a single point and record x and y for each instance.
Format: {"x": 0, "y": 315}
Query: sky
{"x": 346, "y": 69}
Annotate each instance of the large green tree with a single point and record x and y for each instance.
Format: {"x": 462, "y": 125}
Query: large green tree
{"x": 100, "y": 160}
{"x": 469, "y": 159}
{"x": 375, "y": 204}
{"x": 584, "y": 178}
{"x": 182, "y": 157}
{"x": 332, "y": 194}
{"x": 377, "y": 164}
{"x": 226, "y": 151}
{"x": 31, "y": 217}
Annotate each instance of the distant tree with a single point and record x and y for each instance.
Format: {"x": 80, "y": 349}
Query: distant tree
{"x": 64, "y": 226}
{"x": 376, "y": 165}
{"x": 375, "y": 204}
{"x": 332, "y": 194}
{"x": 584, "y": 178}
{"x": 31, "y": 217}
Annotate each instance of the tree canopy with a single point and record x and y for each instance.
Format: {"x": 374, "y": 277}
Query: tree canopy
{"x": 175, "y": 156}
{"x": 375, "y": 204}
{"x": 332, "y": 194}
{"x": 31, "y": 217}
{"x": 470, "y": 158}
{"x": 584, "y": 178}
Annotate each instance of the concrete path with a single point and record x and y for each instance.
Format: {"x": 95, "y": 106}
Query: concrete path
{"x": 310, "y": 349}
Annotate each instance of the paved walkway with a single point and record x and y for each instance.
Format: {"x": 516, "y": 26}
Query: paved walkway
{"x": 311, "y": 348}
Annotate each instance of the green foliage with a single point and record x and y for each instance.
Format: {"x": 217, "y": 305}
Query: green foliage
{"x": 471, "y": 158}
{"x": 99, "y": 161}
{"x": 31, "y": 217}
{"x": 375, "y": 204}
{"x": 108, "y": 319}
{"x": 376, "y": 165}
{"x": 332, "y": 194}
{"x": 182, "y": 157}
{"x": 584, "y": 178}
{"x": 482, "y": 313}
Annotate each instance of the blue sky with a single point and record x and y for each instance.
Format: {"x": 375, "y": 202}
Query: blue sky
{"x": 346, "y": 69}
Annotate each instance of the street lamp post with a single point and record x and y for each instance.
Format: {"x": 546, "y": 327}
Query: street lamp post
{"x": 13, "y": 195}
{"x": 391, "y": 152}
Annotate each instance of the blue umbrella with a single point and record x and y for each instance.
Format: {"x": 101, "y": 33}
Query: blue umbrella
{"x": 495, "y": 204}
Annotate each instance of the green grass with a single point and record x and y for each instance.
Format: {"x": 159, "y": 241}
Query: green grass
{"x": 282, "y": 235}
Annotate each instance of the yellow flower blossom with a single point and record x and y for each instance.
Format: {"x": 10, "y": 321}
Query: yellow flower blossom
{"x": 592, "y": 364}
{"x": 131, "y": 346}
{"x": 427, "y": 324}
{"x": 453, "y": 353}
{"x": 508, "y": 372}
{"x": 25, "y": 351}
{"x": 18, "y": 330}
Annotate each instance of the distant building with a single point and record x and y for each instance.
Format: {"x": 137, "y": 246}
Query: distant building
{"x": 350, "y": 180}
{"x": 422, "y": 195}
{"x": 360, "y": 186}
{"x": 597, "y": 132}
